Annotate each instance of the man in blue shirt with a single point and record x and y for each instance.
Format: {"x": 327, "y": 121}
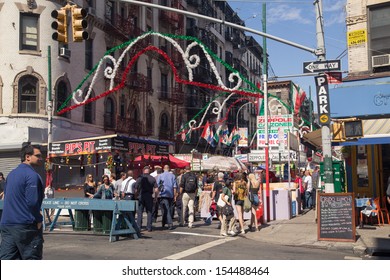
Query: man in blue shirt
{"x": 21, "y": 222}
{"x": 167, "y": 187}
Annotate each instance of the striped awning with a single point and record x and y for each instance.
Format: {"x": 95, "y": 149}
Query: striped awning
{"x": 376, "y": 127}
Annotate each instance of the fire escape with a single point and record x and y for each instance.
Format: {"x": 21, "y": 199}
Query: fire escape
{"x": 137, "y": 85}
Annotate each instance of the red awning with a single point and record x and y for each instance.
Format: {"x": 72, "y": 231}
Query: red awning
{"x": 152, "y": 160}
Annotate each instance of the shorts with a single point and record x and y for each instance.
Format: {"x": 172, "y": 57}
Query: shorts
{"x": 239, "y": 202}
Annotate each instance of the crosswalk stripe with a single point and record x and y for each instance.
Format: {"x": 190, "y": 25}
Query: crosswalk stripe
{"x": 198, "y": 249}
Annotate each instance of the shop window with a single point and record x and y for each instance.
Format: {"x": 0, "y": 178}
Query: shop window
{"x": 28, "y": 94}
{"x": 29, "y": 32}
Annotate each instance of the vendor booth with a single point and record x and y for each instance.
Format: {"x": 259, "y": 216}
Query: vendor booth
{"x": 70, "y": 161}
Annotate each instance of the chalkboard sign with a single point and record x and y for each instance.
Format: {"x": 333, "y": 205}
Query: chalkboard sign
{"x": 336, "y": 217}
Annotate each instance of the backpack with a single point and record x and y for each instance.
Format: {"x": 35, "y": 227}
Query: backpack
{"x": 190, "y": 185}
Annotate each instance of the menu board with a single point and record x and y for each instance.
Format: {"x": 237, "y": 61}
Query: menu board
{"x": 336, "y": 217}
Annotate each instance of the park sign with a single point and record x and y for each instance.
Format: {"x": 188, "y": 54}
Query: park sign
{"x": 285, "y": 122}
{"x": 323, "y": 99}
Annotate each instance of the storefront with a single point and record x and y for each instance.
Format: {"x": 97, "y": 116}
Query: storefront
{"x": 368, "y": 158}
{"x": 71, "y": 160}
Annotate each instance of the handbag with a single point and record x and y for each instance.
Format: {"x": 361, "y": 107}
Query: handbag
{"x": 227, "y": 210}
{"x": 220, "y": 202}
{"x": 247, "y": 204}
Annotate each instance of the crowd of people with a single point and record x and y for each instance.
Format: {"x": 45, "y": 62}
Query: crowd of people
{"x": 178, "y": 192}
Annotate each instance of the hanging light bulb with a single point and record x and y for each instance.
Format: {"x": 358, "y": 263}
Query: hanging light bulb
{"x": 70, "y": 167}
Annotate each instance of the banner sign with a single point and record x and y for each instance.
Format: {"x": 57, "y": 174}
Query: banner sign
{"x": 285, "y": 122}
{"x": 243, "y": 141}
{"x": 273, "y": 155}
{"x": 105, "y": 145}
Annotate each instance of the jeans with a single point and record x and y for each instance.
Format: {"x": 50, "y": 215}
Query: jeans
{"x": 166, "y": 210}
{"x": 145, "y": 202}
{"x": 21, "y": 242}
{"x": 188, "y": 201}
{"x": 308, "y": 199}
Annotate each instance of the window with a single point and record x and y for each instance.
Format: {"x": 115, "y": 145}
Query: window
{"x": 88, "y": 54}
{"x": 88, "y": 110}
{"x": 164, "y": 121}
{"x": 109, "y": 114}
{"x": 28, "y": 94}
{"x": 29, "y": 36}
{"x": 164, "y": 86}
{"x": 122, "y": 106}
{"x": 62, "y": 95}
{"x": 380, "y": 30}
{"x": 149, "y": 121}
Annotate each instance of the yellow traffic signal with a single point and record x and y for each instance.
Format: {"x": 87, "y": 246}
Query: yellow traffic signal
{"x": 61, "y": 35}
{"x": 338, "y": 132}
{"x": 79, "y": 23}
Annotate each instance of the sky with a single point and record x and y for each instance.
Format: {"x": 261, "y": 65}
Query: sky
{"x": 295, "y": 21}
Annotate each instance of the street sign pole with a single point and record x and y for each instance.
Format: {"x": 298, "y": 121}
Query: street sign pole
{"x": 325, "y": 130}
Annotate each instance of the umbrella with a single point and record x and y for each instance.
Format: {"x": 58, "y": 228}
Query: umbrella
{"x": 222, "y": 163}
{"x": 160, "y": 160}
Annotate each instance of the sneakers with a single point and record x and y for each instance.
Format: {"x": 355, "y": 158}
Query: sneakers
{"x": 232, "y": 233}
{"x": 242, "y": 231}
{"x": 190, "y": 226}
{"x": 224, "y": 234}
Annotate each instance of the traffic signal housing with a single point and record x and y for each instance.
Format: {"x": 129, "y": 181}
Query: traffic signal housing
{"x": 79, "y": 24}
{"x": 60, "y": 25}
{"x": 347, "y": 129}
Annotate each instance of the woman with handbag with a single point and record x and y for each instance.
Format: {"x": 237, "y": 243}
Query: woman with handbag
{"x": 254, "y": 186}
{"x": 240, "y": 191}
{"x": 227, "y": 211}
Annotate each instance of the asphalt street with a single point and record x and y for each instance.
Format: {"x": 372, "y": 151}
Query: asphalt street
{"x": 202, "y": 242}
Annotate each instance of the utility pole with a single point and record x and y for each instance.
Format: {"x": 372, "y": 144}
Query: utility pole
{"x": 49, "y": 113}
{"x": 325, "y": 130}
{"x": 265, "y": 90}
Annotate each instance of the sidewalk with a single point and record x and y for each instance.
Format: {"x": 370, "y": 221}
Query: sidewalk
{"x": 302, "y": 231}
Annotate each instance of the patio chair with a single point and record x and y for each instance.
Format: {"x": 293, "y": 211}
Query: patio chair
{"x": 383, "y": 208}
{"x": 374, "y": 211}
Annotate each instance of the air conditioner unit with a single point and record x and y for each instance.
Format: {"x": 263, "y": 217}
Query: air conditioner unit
{"x": 64, "y": 52}
{"x": 91, "y": 11}
{"x": 381, "y": 60}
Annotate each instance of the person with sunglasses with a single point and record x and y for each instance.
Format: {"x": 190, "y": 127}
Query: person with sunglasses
{"x": 21, "y": 222}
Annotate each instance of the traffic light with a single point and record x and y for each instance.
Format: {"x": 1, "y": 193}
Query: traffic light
{"x": 338, "y": 132}
{"x": 347, "y": 129}
{"x": 61, "y": 35}
{"x": 79, "y": 23}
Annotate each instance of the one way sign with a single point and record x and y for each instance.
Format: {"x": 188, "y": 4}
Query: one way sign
{"x": 321, "y": 66}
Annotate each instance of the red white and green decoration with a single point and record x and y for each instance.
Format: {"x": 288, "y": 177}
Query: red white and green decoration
{"x": 112, "y": 70}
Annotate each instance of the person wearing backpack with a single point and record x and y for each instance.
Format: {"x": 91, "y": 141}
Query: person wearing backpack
{"x": 188, "y": 190}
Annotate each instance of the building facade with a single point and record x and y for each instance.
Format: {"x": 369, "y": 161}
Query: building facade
{"x": 149, "y": 105}
{"x": 364, "y": 95}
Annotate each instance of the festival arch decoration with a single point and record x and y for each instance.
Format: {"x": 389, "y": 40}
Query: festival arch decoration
{"x": 191, "y": 61}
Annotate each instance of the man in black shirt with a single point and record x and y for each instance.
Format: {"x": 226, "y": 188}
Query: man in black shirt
{"x": 145, "y": 187}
